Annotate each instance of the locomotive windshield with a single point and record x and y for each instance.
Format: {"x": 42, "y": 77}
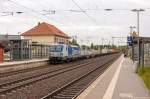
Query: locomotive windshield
{"x": 56, "y": 48}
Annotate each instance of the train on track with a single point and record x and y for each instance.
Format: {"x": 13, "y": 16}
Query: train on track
{"x": 59, "y": 53}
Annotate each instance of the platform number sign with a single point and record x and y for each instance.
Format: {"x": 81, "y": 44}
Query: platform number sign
{"x": 130, "y": 40}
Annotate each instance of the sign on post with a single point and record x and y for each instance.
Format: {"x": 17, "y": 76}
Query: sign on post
{"x": 130, "y": 40}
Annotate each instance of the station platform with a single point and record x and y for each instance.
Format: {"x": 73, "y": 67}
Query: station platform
{"x": 119, "y": 81}
{"x": 19, "y": 65}
{"x": 21, "y": 62}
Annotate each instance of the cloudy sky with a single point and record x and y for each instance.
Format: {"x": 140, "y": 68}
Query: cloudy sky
{"x": 85, "y": 19}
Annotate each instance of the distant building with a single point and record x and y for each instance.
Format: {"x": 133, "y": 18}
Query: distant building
{"x": 5, "y": 40}
{"x": 45, "y": 33}
{"x": 7, "y": 37}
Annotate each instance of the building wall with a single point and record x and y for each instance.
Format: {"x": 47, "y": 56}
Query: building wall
{"x": 61, "y": 39}
{"x": 46, "y": 39}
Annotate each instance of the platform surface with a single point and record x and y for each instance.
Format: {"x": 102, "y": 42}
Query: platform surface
{"x": 118, "y": 82}
{"x": 21, "y": 62}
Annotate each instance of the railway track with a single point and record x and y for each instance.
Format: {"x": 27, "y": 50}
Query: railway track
{"x": 91, "y": 65}
{"x": 10, "y": 73}
{"x": 31, "y": 73}
{"x": 75, "y": 87}
{"x": 6, "y": 74}
{"x": 18, "y": 83}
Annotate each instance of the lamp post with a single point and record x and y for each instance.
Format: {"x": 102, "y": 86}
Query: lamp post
{"x": 138, "y": 34}
{"x": 138, "y": 12}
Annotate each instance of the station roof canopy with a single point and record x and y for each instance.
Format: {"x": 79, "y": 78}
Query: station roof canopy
{"x": 9, "y": 37}
{"x": 44, "y": 29}
{"x": 143, "y": 39}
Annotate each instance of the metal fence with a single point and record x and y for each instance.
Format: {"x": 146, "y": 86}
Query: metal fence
{"x": 141, "y": 51}
{"x": 21, "y": 50}
{"x": 39, "y": 51}
{"x": 147, "y": 54}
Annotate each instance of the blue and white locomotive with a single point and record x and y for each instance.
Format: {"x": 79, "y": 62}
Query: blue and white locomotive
{"x": 59, "y": 53}
{"x": 63, "y": 52}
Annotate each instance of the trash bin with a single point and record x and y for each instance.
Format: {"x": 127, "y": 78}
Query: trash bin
{"x": 1, "y": 53}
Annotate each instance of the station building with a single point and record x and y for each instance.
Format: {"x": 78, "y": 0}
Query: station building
{"x": 33, "y": 43}
{"x": 45, "y": 33}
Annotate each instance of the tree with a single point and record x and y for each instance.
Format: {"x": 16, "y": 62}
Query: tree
{"x": 74, "y": 42}
{"x": 92, "y": 46}
{"x": 85, "y": 47}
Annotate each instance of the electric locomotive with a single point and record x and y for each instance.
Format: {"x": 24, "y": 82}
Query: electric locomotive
{"x": 63, "y": 53}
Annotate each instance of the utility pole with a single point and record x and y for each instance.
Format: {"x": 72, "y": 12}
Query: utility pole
{"x": 102, "y": 40}
{"x": 112, "y": 41}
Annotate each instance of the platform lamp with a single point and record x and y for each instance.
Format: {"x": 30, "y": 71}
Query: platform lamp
{"x": 138, "y": 17}
{"x": 138, "y": 33}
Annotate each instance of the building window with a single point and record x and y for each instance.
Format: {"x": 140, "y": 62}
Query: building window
{"x": 56, "y": 40}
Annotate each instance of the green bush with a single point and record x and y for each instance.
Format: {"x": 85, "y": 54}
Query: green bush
{"x": 145, "y": 75}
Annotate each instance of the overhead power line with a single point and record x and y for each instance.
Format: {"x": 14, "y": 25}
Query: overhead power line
{"x": 32, "y": 10}
{"x": 10, "y": 13}
{"x": 85, "y": 12}
{"x": 35, "y": 11}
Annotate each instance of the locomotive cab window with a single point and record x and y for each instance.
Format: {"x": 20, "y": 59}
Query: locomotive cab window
{"x": 56, "y": 48}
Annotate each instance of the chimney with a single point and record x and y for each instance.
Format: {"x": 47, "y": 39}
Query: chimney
{"x": 39, "y": 23}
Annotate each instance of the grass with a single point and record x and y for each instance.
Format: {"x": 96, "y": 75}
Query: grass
{"x": 145, "y": 75}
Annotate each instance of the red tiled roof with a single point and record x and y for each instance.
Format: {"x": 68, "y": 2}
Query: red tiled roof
{"x": 44, "y": 29}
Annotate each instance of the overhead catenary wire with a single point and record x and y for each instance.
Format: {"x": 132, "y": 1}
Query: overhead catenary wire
{"x": 54, "y": 11}
{"x": 11, "y": 12}
{"x": 74, "y": 10}
{"x": 91, "y": 18}
{"x": 86, "y": 10}
{"x": 8, "y": 10}
{"x": 32, "y": 10}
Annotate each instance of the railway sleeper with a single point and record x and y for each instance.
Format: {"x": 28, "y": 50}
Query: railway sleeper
{"x": 71, "y": 92}
{"x": 60, "y": 97}
{"x": 79, "y": 85}
{"x": 64, "y": 95}
{"x": 76, "y": 87}
{"x": 3, "y": 96}
{"x": 11, "y": 88}
{"x": 68, "y": 93}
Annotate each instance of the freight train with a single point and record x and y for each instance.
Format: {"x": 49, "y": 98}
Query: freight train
{"x": 59, "y": 53}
